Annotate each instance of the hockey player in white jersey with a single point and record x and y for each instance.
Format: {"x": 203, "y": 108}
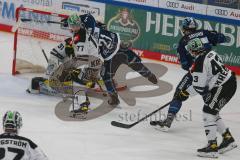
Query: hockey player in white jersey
{"x": 91, "y": 39}
{"x": 109, "y": 46}
{"x": 64, "y": 62}
{"x": 217, "y": 85}
{"x": 13, "y": 146}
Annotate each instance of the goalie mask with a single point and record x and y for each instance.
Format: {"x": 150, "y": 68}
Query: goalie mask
{"x": 12, "y": 121}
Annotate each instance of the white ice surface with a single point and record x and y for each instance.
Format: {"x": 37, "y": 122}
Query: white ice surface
{"x": 97, "y": 139}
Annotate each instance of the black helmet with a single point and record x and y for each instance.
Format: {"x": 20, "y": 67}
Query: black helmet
{"x": 189, "y": 23}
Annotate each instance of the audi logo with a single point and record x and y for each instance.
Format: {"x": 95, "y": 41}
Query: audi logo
{"x": 221, "y": 12}
{"x": 172, "y": 4}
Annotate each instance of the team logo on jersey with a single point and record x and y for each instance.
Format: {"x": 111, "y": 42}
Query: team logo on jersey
{"x": 124, "y": 24}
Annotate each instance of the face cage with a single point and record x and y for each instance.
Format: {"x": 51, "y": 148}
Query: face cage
{"x": 10, "y": 128}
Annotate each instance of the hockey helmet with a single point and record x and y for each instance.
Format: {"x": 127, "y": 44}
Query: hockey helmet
{"x": 74, "y": 21}
{"x": 195, "y": 47}
{"x": 12, "y": 121}
{"x": 189, "y": 24}
{"x": 88, "y": 22}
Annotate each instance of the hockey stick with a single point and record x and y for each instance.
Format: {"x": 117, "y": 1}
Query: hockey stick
{"x": 127, "y": 126}
{"x": 43, "y": 51}
{"x": 21, "y": 20}
{"x": 29, "y": 20}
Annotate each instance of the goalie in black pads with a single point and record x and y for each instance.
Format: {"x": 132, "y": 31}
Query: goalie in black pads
{"x": 217, "y": 85}
{"x": 12, "y": 145}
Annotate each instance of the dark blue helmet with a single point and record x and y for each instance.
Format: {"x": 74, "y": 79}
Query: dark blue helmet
{"x": 189, "y": 23}
{"x": 88, "y": 22}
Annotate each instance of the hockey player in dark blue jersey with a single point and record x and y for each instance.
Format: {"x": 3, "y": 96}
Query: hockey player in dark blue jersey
{"x": 109, "y": 47}
{"x": 190, "y": 31}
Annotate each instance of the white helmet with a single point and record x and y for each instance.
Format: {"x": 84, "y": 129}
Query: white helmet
{"x": 12, "y": 121}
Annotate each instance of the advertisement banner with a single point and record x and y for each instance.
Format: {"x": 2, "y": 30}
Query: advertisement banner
{"x": 196, "y": 1}
{"x": 225, "y": 3}
{"x": 84, "y": 6}
{"x": 211, "y": 8}
{"x": 183, "y": 6}
{"x": 8, "y": 8}
{"x": 153, "y": 3}
{"x": 153, "y": 33}
{"x": 223, "y": 12}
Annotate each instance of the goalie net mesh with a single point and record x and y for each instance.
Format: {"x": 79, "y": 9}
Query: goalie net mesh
{"x": 33, "y": 32}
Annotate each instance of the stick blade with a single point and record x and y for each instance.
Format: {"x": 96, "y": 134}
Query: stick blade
{"x": 121, "y": 125}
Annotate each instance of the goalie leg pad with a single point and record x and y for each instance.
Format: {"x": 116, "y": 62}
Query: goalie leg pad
{"x": 34, "y": 86}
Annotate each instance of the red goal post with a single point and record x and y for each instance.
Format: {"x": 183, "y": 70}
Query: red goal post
{"x": 33, "y": 27}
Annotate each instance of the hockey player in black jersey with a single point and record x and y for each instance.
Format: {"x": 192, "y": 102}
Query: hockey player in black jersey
{"x": 217, "y": 85}
{"x": 12, "y": 145}
{"x": 190, "y": 31}
{"x": 109, "y": 47}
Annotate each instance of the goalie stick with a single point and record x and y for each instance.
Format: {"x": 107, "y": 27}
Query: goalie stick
{"x": 21, "y": 20}
{"x": 29, "y": 20}
{"x": 127, "y": 126}
{"x": 43, "y": 51}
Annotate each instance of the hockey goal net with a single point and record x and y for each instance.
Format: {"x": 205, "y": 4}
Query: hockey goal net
{"x": 36, "y": 33}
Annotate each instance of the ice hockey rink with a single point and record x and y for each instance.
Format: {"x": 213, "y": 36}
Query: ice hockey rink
{"x": 96, "y": 139}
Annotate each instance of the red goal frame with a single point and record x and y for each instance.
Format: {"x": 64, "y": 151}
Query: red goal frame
{"x": 35, "y": 33}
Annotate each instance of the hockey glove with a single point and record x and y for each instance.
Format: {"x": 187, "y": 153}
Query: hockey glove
{"x": 74, "y": 73}
{"x": 182, "y": 95}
